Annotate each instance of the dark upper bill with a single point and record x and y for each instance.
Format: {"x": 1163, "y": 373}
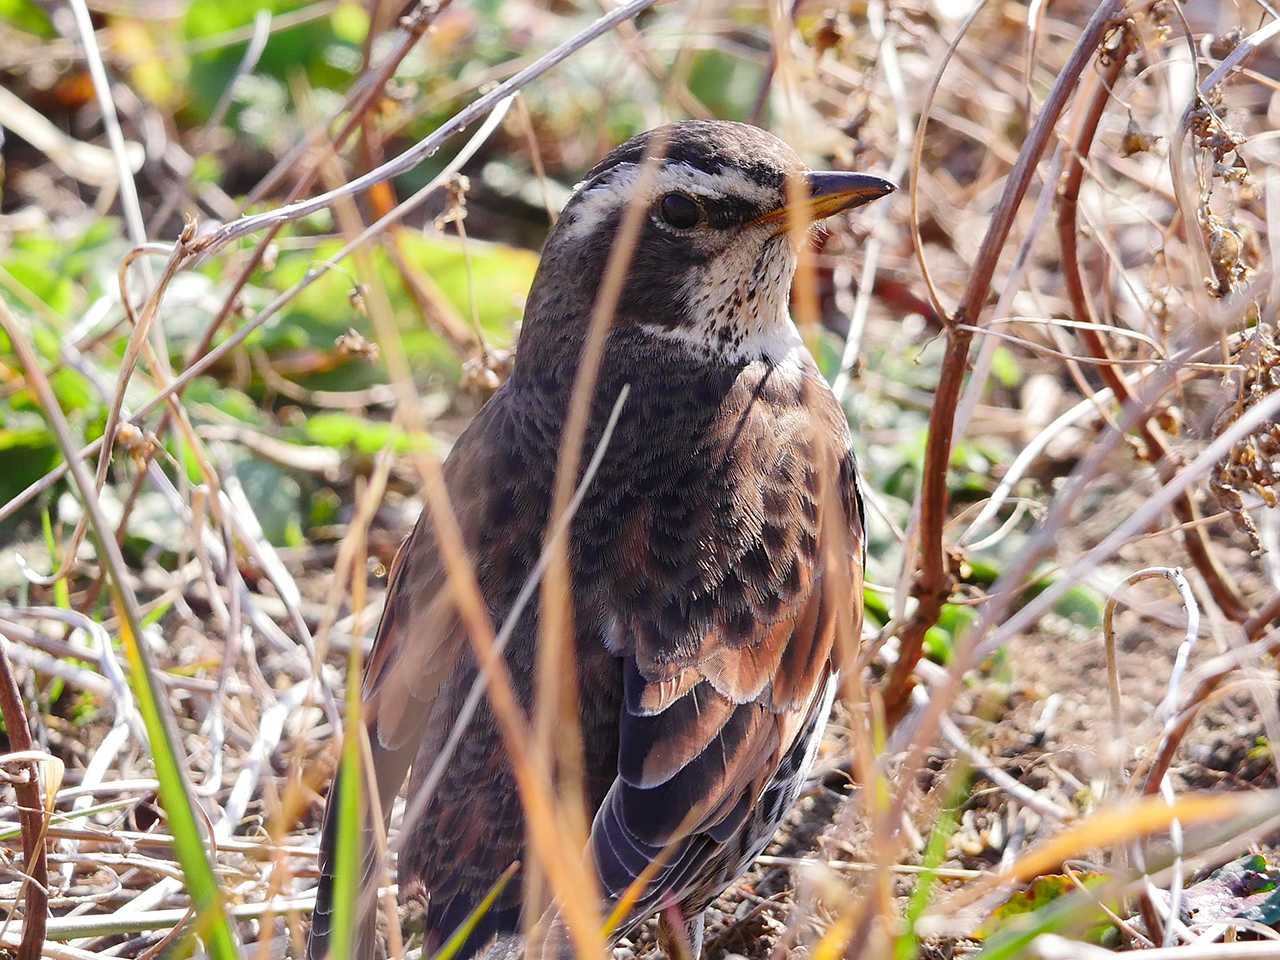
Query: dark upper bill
{"x": 831, "y": 191}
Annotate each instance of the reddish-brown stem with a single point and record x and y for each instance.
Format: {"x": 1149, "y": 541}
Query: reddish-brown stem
{"x": 30, "y": 815}
{"x": 933, "y": 580}
{"x": 1196, "y": 540}
{"x": 1257, "y": 624}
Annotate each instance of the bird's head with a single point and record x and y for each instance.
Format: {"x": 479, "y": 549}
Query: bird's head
{"x": 712, "y": 264}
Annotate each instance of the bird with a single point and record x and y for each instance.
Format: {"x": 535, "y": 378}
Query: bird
{"x": 716, "y": 557}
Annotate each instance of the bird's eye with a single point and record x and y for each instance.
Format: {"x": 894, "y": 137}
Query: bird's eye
{"x": 679, "y": 210}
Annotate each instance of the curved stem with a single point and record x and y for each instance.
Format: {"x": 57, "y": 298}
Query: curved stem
{"x": 1196, "y": 541}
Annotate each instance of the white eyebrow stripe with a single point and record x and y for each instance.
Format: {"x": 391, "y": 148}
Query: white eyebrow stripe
{"x": 596, "y": 202}
{"x": 593, "y": 203}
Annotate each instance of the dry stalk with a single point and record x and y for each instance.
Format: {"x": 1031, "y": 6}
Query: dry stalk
{"x": 1151, "y": 911}
{"x": 30, "y": 814}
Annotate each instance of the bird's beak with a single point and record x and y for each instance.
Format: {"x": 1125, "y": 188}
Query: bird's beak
{"x": 833, "y": 191}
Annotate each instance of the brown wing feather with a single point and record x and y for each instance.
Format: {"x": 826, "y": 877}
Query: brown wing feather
{"x": 725, "y": 669}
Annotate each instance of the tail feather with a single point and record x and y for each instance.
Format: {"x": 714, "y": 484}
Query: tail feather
{"x": 390, "y": 767}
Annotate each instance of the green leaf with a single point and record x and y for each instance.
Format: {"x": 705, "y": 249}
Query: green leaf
{"x": 27, "y": 452}
{"x": 188, "y": 841}
{"x": 156, "y": 614}
{"x": 981, "y": 571}
{"x": 324, "y": 508}
{"x": 1005, "y": 368}
{"x": 26, "y": 15}
{"x": 343, "y": 431}
{"x": 350, "y": 23}
{"x": 227, "y": 400}
{"x": 276, "y": 498}
{"x": 1081, "y": 605}
{"x": 301, "y": 47}
{"x": 207, "y": 18}
{"x": 875, "y": 605}
{"x": 501, "y": 276}
{"x": 1043, "y": 891}
{"x": 43, "y": 280}
{"x": 1010, "y": 940}
{"x": 72, "y": 390}
{"x": 937, "y": 645}
{"x": 347, "y": 868}
{"x": 955, "y": 618}
{"x": 727, "y": 84}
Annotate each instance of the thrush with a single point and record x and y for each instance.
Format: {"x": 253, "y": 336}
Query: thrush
{"x": 715, "y": 557}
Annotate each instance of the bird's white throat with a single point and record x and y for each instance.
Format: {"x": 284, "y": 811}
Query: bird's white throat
{"x": 737, "y": 305}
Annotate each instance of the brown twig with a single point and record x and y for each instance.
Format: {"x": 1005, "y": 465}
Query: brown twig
{"x": 934, "y": 581}
{"x": 30, "y": 815}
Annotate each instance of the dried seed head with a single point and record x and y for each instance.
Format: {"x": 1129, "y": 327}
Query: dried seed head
{"x": 1121, "y": 40}
{"x": 1170, "y": 421}
{"x": 455, "y": 208}
{"x": 140, "y": 445}
{"x": 1253, "y": 464}
{"x": 355, "y": 296}
{"x": 1226, "y": 255}
{"x": 828, "y": 34}
{"x": 485, "y": 372}
{"x": 355, "y": 344}
{"x": 1136, "y": 140}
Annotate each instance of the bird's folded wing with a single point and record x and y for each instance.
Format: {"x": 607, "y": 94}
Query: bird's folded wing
{"x": 420, "y": 639}
{"x": 716, "y": 695}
